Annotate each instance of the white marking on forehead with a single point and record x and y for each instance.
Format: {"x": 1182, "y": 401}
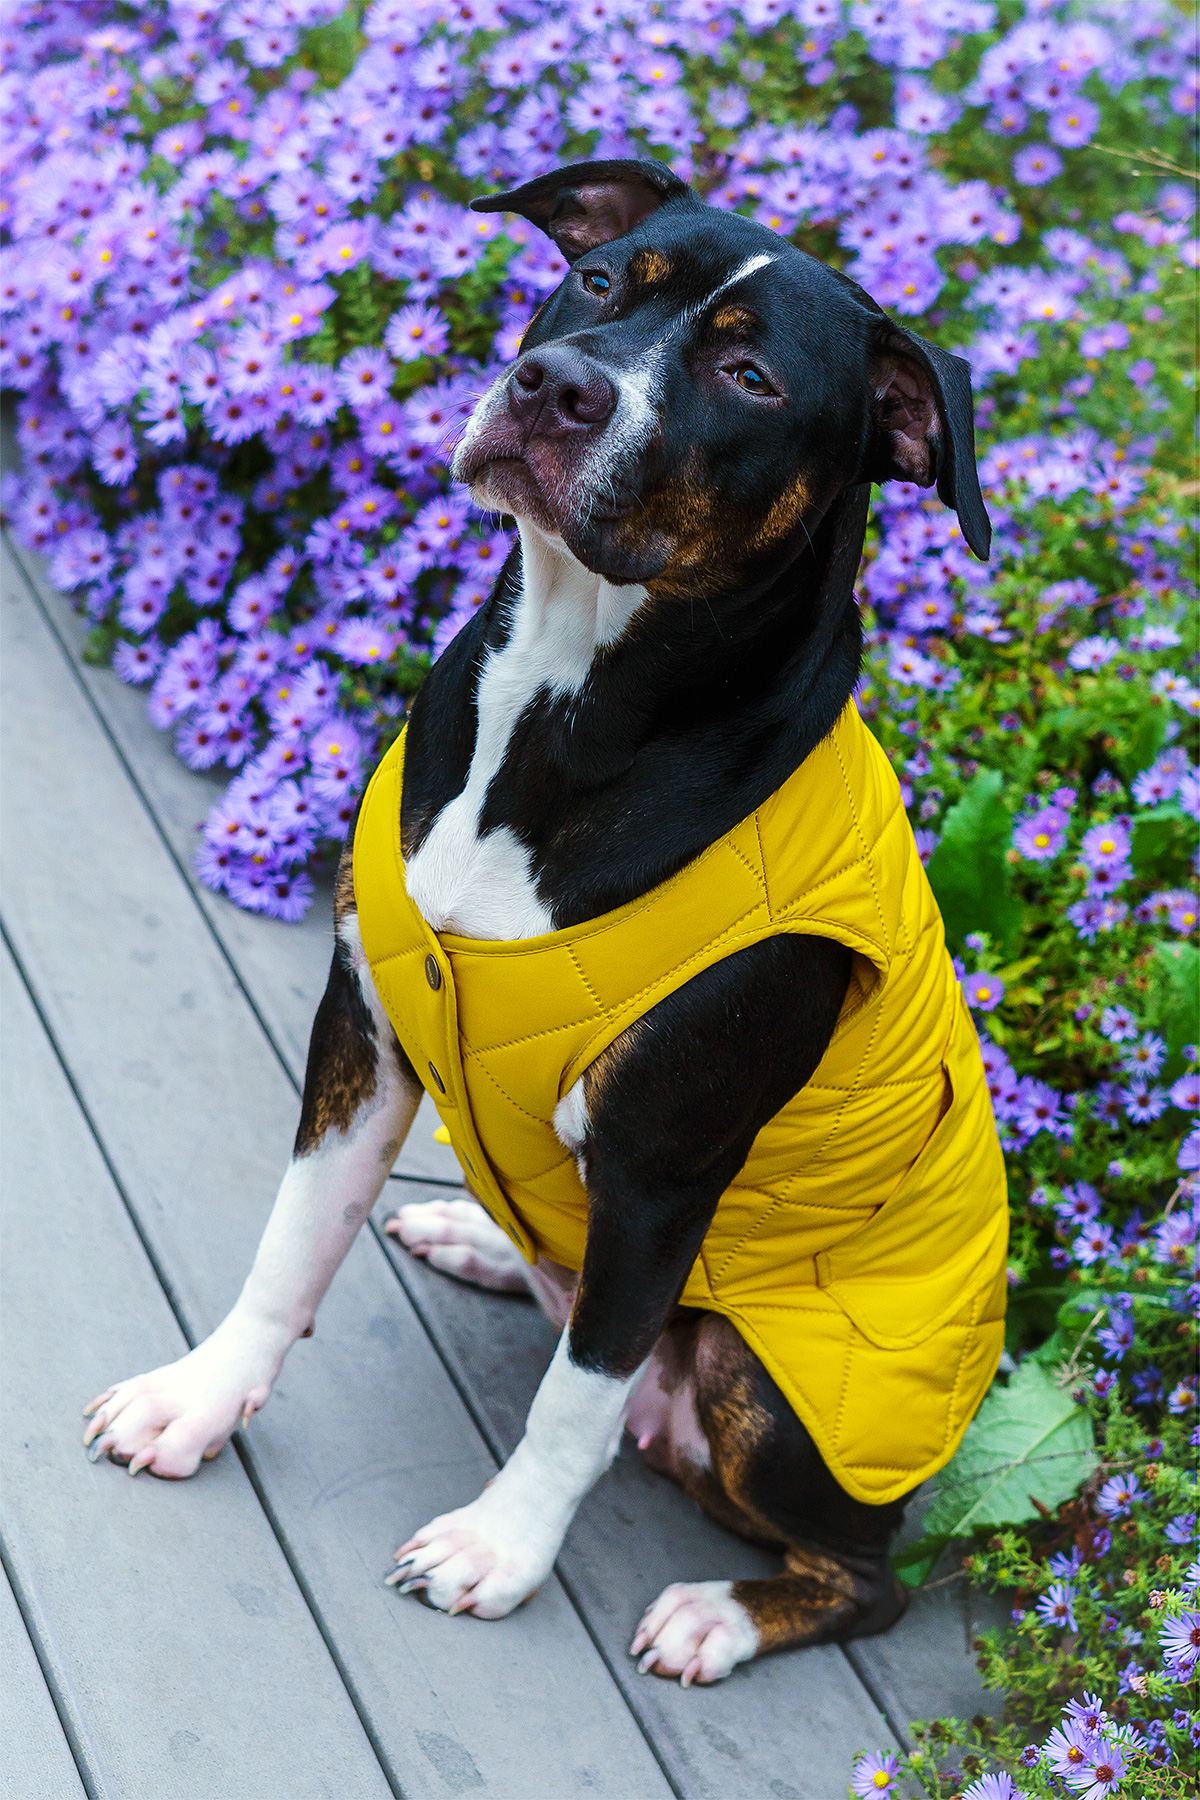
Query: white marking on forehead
{"x": 751, "y": 266}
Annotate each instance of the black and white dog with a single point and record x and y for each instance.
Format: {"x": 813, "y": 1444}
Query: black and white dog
{"x": 687, "y": 442}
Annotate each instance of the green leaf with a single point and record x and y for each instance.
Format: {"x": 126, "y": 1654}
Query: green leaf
{"x": 99, "y": 645}
{"x": 1173, "y": 1000}
{"x": 1028, "y": 1441}
{"x": 915, "y": 1563}
{"x": 969, "y": 872}
{"x": 1140, "y": 739}
{"x": 1160, "y": 848}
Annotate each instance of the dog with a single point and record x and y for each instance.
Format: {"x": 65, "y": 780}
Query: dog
{"x": 635, "y": 900}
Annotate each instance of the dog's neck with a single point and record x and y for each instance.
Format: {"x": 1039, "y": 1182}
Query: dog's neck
{"x": 579, "y": 742}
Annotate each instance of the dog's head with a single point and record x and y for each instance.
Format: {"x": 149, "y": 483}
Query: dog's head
{"x": 692, "y": 398}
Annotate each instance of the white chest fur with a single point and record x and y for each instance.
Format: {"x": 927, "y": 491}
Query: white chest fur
{"x": 482, "y": 886}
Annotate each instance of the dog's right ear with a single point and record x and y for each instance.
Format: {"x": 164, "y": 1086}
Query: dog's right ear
{"x": 587, "y": 204}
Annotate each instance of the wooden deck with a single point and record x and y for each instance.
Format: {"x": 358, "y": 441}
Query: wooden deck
{"x": 229, "y": 1638}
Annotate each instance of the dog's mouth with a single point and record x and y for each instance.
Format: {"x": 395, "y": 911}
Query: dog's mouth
{"x": 530, "y": 482}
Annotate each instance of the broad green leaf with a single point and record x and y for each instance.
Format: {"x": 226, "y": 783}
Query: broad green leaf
{"x": 1028, "y": 1441}
{"x": 1172, "y": 1005}
{"x": 1160, "y": 851}
{"x": 969, "y": 872}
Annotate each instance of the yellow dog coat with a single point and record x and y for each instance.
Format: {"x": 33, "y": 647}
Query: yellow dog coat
{"x": 861, "y": 1251}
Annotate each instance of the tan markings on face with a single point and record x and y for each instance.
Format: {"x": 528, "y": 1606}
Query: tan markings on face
{"x": 648, "y": 266}
{"x": 785, "y": 514}
{"x": 733, "y": 318}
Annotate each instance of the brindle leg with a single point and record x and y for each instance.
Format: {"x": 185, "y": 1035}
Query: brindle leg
{"x": 765, "y": 1479}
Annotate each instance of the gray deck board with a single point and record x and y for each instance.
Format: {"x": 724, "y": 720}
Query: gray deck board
{"x": 365, "y": 1437}
{"x": 804, "y": 1729}
{"x": 35, "y": 1758}
{"x": 181, "y": 1650}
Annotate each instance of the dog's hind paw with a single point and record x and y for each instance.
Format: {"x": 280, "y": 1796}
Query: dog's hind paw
{"x": 459, "y": 1238}
{"x": 695, "y": 1630}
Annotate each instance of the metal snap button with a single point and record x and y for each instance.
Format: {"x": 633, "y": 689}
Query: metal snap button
{"x": 439, "y": 1083}
{"x": 433, "y": 974}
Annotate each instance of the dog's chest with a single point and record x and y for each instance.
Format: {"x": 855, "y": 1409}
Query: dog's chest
{"x": 483, "y": 884}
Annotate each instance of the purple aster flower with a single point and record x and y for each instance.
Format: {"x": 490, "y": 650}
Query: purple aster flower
{"x": 874, "y": 1775}
{"x": 1101, "y": 1773}
{"x": 1118, "y": 1495}
{"x": 415, "y": 331}
{"x": 1118, "y": 1025}
{"x": 1056, "y": 1606}
{"x": 114, "y": 457}
{"x": 365, "y": 642}
{"x": 983, "y": 992}
{"x": 1179, "y": 1642}
{"x": 1094, "y": 1244}
{"x": 1183, "y": 912}
{"x": 1105, "y": 845}
{"x": 137, "y": 662}
{"x": 1038, "y": 1107}
{"x": 1040, "y": 837}
{"x": 1036, "y": 165}
{"x": 1182, "y": 1397}
{"x": 1182, "y": 1529}
{"x": 1143, "y": 1105}
{"x": 1079, "y": 1204}
{"x": 1185, "y": 1093}
{"x": 1101, "y": 1542}
{"x": 1093, "y": 653}
{"x": 364, "y": 378}
{"x": 383, "y": 429}
{"x": 1086, "y": 916}
{"x": 318, "y": 394}
{"x": 1103, "y": 1383}
{"x": 1074, "y": 122}
{"x": 1146, "y": 1057}
{"x": 1117, "y": 1336}
{"x": 1030, "y": 1756}
{"x": 994, "y": 1787}
{"x": 1066, "y": 1566}
{"x": 1147, "y": 1387}
{"x": 1066, "y": 1747}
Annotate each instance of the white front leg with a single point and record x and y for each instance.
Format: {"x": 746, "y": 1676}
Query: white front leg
{"x": 172, "y": 1418}
{"x": 489, "y": 1556}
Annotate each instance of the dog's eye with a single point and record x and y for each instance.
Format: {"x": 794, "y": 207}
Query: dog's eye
{"x": 754, "y": 382}
{"x": 594, "y": 282}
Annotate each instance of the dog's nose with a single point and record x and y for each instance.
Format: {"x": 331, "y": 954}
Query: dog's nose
{"x": 559, "y": 392}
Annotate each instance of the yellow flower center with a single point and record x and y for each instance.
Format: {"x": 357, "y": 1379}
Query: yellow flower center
{"x": 368, "y": 506}
{"x": 1108, "y": 846}
{"x": 983, "y": 993}
{"x": 1041, "y": 840}
{"x": 385, "y": 428}
{"x": 880, "y": 1778}
{"x": 335, "y": 749}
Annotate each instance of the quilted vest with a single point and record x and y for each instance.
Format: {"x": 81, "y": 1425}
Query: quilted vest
{"x": 861, "y": 1251}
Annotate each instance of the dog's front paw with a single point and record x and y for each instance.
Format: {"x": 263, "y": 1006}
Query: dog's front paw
{"x": 695, "y": 1630}
{"x": 485, "y": 1558}
{"x": 176, "y": 1417}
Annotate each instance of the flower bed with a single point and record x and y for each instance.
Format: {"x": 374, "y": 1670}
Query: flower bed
{"x": 247, "y": 310}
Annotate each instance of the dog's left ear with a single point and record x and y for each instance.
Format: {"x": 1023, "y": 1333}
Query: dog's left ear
{"x": 925, "y": 426}
{"x": 587, "y": 204}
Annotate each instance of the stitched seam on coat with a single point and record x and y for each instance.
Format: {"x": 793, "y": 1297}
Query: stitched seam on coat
{"x": 545, "y": 1124}
{"x": 575, "y": 964}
